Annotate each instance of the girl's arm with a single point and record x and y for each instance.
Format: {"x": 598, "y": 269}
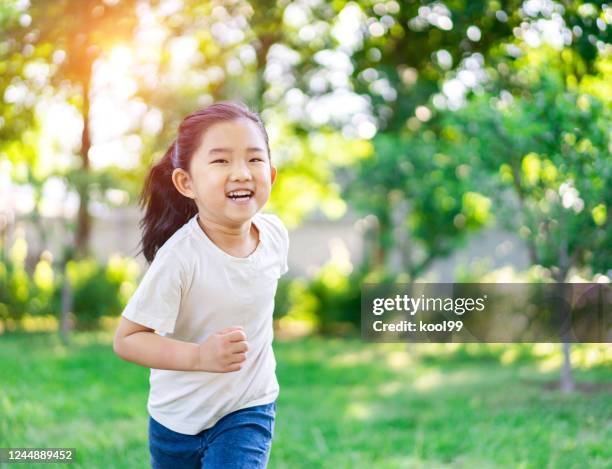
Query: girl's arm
{"x": 141, "y": 345}
{"x": 222, "y": 352}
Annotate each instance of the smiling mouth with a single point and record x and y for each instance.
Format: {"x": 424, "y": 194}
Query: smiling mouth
{"x": 240, "y": 195}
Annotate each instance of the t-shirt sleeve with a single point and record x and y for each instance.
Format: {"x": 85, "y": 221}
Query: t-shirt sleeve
{"x": 156, "y": 302}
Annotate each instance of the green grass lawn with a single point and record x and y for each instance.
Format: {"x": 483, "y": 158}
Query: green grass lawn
{"x": 343, "y": 404}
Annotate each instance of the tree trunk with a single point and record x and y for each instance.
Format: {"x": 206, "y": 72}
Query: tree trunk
{"x": 379, "y": 247}
{"x": 67, "y": 302}
{"x": 80, "y": 249}
{"x": 262, "y": 47}
{"x": 83, "y": 218}
{"x": 567, "y": 380}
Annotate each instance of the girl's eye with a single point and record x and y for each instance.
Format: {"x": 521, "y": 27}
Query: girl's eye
{"x": 256, "y": 159}
{"x": 219, "y": 161}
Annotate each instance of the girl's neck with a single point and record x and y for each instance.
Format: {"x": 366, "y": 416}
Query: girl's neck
{"x": 239, "y": 241}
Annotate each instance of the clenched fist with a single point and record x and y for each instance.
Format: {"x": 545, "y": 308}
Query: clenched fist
{"x": 223, "y": 351}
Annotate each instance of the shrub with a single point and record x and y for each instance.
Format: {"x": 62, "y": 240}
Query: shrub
{"x": 98, "y": 289}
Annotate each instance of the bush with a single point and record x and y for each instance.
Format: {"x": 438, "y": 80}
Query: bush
{"x": 338, "y": 297}
{"x": 330, "y": 301}
{"x": 98, "y": 289}
{"x": 19, "y": 293}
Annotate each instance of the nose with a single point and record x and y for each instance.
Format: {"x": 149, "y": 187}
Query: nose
{"x": 240, "y": 171}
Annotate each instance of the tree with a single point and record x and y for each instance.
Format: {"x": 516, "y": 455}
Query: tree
{"x": 73, "y": 35}
{"x": 410, "y": 51}
{"x": 422, "y": 197}
{"x": 68, "y": 37}
{"x": 406, "y": 54}
{"x": 544, "y": 153}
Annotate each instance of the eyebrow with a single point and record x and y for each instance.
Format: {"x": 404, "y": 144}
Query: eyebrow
{"x": 229, "y": 150}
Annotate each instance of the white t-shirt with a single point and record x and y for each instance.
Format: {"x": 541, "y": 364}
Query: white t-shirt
{"x": 193, "y": 289}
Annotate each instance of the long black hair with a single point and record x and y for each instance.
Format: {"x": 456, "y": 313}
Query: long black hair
{"x": 166, "y": 209}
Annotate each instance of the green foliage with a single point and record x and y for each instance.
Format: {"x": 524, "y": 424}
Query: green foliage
{"x": 306, "y": 164}
{"x": 423, "y": 186}
{"x": 329, "y": 302}
{"x": 530, "y": 150}
{"x": 544, "y": 153}
{"x": 337, "y": 299}
{"x": 401, "y": 44}
{"x": 98, "y": 289}
{"x": 21, "y": 293}
{"x": 14, "y": 291}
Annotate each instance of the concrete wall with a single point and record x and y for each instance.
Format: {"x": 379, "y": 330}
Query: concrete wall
{"x": 117, "y": 231}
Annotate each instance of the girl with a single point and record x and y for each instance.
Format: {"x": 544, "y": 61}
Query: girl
{"x": 209, "y": 294}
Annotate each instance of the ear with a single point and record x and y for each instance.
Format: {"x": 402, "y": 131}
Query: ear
{"x": 182, "y": 182}
{"x": 272, "y": 174}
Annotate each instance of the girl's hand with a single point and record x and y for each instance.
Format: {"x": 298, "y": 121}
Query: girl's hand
{"x": 223, "y": 351}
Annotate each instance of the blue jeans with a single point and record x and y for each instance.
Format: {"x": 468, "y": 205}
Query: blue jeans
{"x": 241, "y": 439}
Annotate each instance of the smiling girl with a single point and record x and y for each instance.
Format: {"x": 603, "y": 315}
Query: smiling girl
{"x": 201, "y": 317}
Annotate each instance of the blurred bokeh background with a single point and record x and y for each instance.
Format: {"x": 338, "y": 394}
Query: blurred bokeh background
{"x": 456, "y": 141}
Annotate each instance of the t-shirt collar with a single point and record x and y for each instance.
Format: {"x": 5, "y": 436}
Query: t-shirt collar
{"x": 256, "y": 220}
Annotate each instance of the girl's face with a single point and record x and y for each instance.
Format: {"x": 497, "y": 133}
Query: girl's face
{"x": 230, "y": 174}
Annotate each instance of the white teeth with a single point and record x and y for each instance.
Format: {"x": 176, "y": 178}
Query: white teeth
{"x": 239, "y": 193}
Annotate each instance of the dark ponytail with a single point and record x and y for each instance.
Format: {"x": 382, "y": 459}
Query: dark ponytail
{"x": 166, "y": 209}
